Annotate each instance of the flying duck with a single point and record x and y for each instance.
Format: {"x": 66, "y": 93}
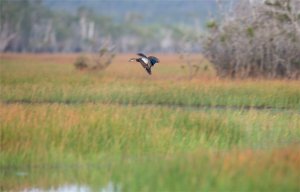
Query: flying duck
{"x": 146, "y": 62}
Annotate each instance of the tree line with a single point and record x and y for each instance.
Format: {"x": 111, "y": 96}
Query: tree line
{"x": 30, "y": 26}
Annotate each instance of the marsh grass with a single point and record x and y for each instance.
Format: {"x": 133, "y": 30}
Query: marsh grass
{"x": 51, "y": 81}
{"x": 130, "y": 145}
{"x": 59, "y": 126}
{"x": 255, "y": 94}
{"x": 100, "y": 129}
{"x": 97, "y": 127}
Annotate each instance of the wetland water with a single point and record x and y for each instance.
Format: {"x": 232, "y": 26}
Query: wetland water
{"x": 75, "y": 188}
{"x": 62, "y": 179}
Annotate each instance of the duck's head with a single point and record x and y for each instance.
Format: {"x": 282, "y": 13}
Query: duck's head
{"x": 153, "y": 60}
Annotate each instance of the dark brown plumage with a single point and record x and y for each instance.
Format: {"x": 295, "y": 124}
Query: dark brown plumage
{"x": 146, "y": 62}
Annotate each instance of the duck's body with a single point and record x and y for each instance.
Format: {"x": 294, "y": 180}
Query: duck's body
{"x": 146, "y": 62}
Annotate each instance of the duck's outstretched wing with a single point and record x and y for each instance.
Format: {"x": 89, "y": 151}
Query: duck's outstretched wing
{"x": 141, "y": 54}
{"x": 148, "y": 70}
{"x": 144, "y": 62}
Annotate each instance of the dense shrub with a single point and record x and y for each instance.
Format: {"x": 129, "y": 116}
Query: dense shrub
{"x": 96, "y": 62}
{"x": 257, "y": 39}
{"x": 81, "y": 63}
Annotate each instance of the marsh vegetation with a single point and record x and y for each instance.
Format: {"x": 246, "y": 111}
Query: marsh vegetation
{"x": 122, "y": 129}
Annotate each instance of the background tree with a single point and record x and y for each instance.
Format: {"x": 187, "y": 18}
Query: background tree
{"x": 258, "y": 39}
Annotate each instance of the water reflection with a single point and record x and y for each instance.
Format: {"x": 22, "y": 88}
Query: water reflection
{"x": 64, "y": 188}
{"x": 76, "y": 188}
{"x": 59, "y": 177}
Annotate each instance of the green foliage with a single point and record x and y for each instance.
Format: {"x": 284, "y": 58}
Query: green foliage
{"x": 250, "y": 32}
{"x": 211, "y": 24}
{"x": 223, "y": 38}
{"x": 273, "y": 3}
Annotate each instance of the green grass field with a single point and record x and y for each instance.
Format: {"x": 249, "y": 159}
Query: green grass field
{"x": 122, "y": 130}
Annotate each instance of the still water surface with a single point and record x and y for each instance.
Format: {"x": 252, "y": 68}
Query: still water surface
{"x": 75, "y": 188}
{"x": 61, "y": 180}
